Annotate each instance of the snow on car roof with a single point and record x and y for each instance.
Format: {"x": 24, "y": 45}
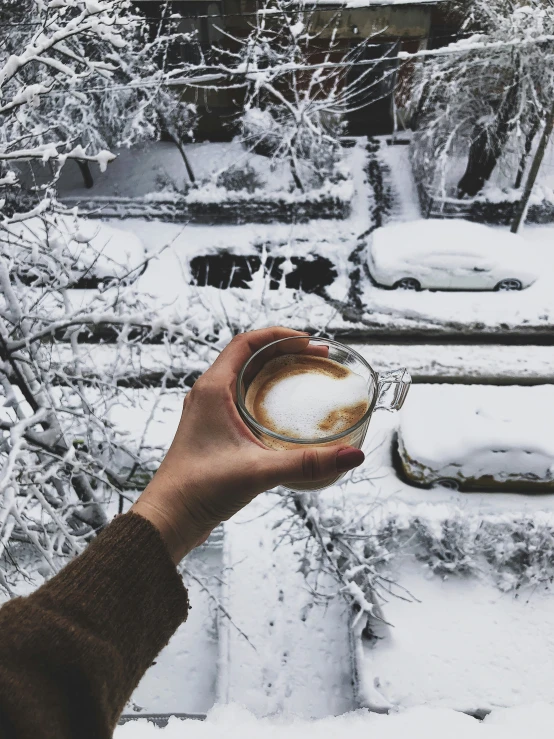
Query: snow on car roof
{"x": 461, "y": 421}
{"x": 445, "y": 237}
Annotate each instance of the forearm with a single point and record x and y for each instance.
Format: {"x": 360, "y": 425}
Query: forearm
{"x": 72, "y": 652}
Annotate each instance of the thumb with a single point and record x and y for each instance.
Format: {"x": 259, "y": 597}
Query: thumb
{"x": 311, "y": 465}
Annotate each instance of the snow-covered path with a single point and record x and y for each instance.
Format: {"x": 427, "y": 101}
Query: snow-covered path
{"x": 405, "y": 205}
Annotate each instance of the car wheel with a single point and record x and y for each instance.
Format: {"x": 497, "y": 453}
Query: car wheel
{"x": 446, "y": 482}
{"x": 511, "y": 284}
{"x": 407, "y": 283}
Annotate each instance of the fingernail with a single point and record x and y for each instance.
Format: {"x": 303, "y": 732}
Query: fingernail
{"x": 347, "y": 459}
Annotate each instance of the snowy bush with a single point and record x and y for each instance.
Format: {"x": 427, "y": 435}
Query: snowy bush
{"x": 313, "y": 151}
{"x": 512, "y": 552}
{"x": 240, "y": 178}
{"x": 341, "y": 541}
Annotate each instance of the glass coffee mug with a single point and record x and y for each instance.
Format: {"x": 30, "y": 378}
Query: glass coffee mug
{"x": 387, "y": 390}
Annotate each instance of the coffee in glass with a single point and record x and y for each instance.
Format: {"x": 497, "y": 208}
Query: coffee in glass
{"x": 304, "y": 391}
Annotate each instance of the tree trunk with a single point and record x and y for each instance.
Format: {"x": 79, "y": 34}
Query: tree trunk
{"x": 521, "y": 210}
{"x": 527, "y": 150}
{"x": 487, "y": 147}
{"x": 177, "y": 141}
{"x": 87, "y": 174}
{"x": 295, "y": 176}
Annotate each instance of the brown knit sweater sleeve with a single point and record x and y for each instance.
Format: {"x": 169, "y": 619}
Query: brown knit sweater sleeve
{"x": 72, "y": 652}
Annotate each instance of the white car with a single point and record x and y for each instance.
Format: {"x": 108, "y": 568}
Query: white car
{"x": 478, "y": 437}
{"x": 448, "y": 255}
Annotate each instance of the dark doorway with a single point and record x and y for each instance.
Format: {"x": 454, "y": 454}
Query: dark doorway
{"x": 374, "y": 115}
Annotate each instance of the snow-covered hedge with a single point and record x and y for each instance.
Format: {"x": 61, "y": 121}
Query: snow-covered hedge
{"x": 217, "y": 205}
{"x": 511, "y": 551}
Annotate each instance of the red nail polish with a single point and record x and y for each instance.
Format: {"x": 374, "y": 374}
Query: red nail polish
{"x": 347, "y": 459}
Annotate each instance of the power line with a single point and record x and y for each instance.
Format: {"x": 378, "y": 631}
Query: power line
{"x": 216, "y": 75}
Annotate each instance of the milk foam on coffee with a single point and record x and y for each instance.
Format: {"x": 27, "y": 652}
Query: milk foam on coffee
{"x": 307, "y": 397}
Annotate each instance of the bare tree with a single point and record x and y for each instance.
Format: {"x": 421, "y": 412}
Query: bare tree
{"x": 295, "y": 84}
{"x": 78, "y": 78}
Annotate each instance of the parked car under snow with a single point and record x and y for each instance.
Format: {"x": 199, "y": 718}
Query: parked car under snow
{"x": 478, "y": 437}
{"x": 92, "y": 252}
{"x": 448, "y": 255}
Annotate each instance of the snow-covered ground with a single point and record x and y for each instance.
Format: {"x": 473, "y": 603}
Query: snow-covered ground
{"x": 427, "y": 363}
{"x": 159, "y": 167}
{"x": 475, "y": 363}
{"x": 297, "y": 658}
{"x": 183, "y": 676}
{"x": 461, "y": 643}
{"x": 157, "y": 173}
{"x": 235, "y": 722}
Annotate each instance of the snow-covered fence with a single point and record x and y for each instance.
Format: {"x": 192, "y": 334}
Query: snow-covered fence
{"x": 497, "y": 208}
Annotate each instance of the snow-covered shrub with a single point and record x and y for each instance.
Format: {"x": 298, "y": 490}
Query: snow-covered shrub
{"x": 485, "y": 97}
{"x": 240, "y": 177}
{"x": 274, "y": 133}
{"x": 512, "y": 552}
{"x": 340, "y": 541}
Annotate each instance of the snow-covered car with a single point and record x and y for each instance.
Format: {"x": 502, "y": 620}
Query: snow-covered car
{"x": 478, "y": 437}
{"x": 448, "y": 255}
{"x": 88, "y": 251}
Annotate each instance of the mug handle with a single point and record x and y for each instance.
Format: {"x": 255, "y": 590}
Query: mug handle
{"x": 392, "y": 388}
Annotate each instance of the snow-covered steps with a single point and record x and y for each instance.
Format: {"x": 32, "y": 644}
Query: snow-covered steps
{"x": 398, "y": 176}
{"x": 464, "y": 363}
{"x": 183, "y": 676}
{"x": 286, "y": 651}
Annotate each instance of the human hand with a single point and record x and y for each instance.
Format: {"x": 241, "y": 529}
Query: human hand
{"x": 215, "y": 465}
